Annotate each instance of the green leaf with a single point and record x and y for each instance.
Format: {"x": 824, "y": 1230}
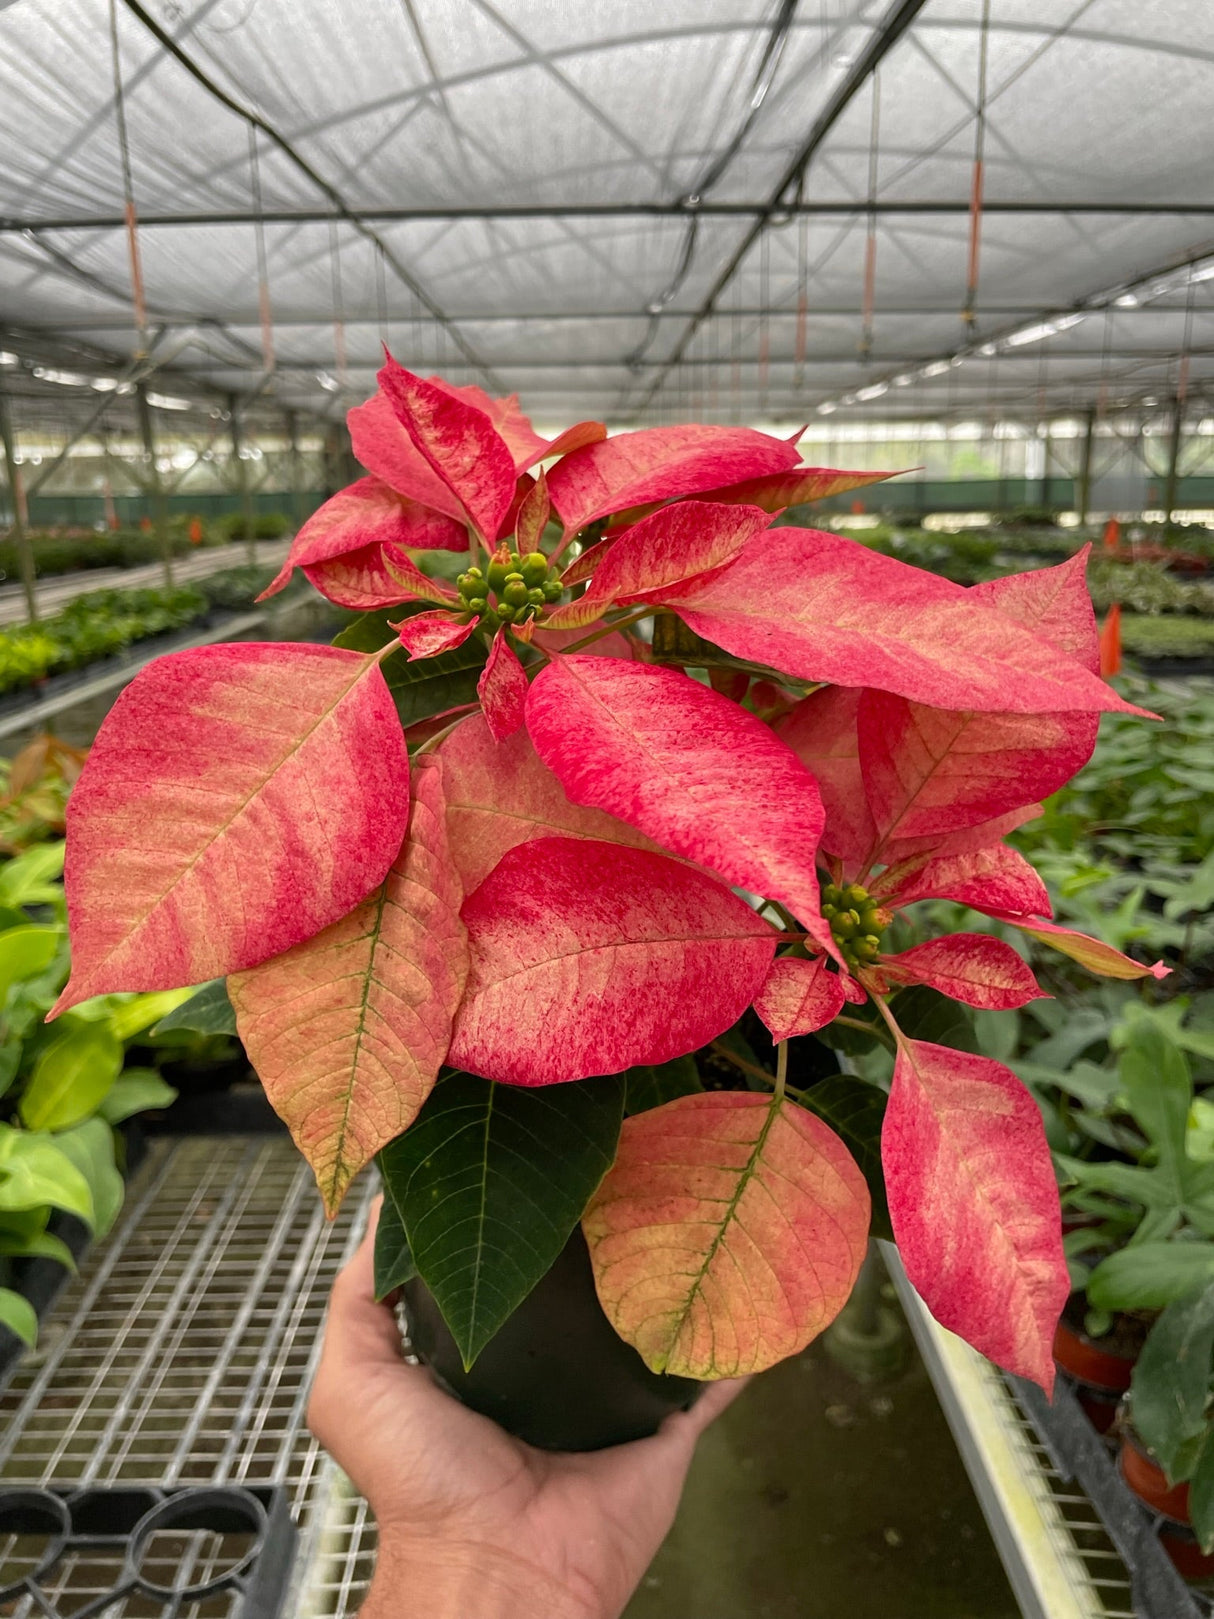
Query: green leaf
{"x": 34, "y": 1172}
{"x": 24, "y": 952}
{"x": 1095, "y": 1087}
{"x": 854, "y": 1043}
{"x": 208, "y": 1011}
{"x": 1171, "y": 1382}
{"x": 393, "y": 1259}
{"x": 33, "y": 878}
{"x": 855, "y": 1111}
{"x": 40, "y": 1245}
{"x": 1156, "y": 1082}
{"x": 20, "y": 1224}
{"x": 17, "y": 1314}
{"x": 420, "y": 687}
{"x": 489, "y": 1181}
{"x": 135, "y": 1091}
{"x": 1201, "y": 1496}
{"x": 10, "y": 1061}
{"x": 650, "y": 1087}
{"x": 924, "y": 1014}
{"x": 998, "y": 1033}
{"x": 71, "y": 1078}
{"x": 130, "y": 1015}
{"x": 1144, "y": 1186}
{"x": 1150, "y": 1275}
{"x": 90, "y": 1146}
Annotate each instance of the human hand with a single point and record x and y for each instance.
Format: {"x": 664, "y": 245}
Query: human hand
{"x": 474, "y": 1524}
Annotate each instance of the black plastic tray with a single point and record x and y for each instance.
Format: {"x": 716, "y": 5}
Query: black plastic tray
{"x": 1078, "y": 1452}
{"x": 110, "y": 1532}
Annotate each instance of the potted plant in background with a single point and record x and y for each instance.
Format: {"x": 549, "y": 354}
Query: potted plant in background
{"x": 481, "y": 961}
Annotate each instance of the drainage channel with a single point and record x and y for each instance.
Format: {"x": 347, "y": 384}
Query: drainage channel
{"x": 182, "y": 1355}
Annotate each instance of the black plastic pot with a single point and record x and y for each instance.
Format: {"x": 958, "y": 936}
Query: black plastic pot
{"x": 557, "y": 1374}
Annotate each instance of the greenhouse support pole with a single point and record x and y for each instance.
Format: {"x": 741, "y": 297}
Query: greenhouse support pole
{"x": 25, "y": 554}
{"x": 1083, "y": 497}
{"x": 160, "y": 510}
{"x": 297, "y": 492}
{"x": 1172, "y": 478}
{"x": 242, "y": 475}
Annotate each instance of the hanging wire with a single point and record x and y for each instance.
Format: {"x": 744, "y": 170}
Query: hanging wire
{"x": 870, "y": 239}
{"x": 765, "y": 73}
{"x": 802, "y": 328}
{"x": 263, "y": 274}
{"x": 339, "y": 311}
{"x": 764, "y": 321}
{"x": 971, "y": 271}
{"x": 381, "y": 295}
{"x": 128, "y": 191}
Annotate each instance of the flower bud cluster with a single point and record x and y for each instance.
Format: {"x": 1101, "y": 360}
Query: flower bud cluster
{"x": 856, "y": 922}
{"x": 513, "y": 589}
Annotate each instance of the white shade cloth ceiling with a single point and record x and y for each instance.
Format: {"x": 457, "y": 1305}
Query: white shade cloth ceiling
{"x": 424, "y": 130}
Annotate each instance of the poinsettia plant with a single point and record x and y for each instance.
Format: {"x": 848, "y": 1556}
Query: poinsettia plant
{"x": 489, "y": 869}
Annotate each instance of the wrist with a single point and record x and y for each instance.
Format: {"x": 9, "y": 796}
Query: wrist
{"x": 432, "y": 1579}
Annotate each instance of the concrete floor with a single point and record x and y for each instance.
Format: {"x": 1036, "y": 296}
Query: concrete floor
{"x": 817, "y": 1497}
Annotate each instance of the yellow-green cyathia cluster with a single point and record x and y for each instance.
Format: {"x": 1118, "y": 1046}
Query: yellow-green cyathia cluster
{"x": 856, "y": 922}
{"x": 513, "y": 589}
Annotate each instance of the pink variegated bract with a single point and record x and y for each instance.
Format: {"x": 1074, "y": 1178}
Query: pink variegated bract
{"x": 613, "y": 843}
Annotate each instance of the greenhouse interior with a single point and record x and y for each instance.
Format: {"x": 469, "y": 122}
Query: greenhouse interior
{"x": 607, "y": 809}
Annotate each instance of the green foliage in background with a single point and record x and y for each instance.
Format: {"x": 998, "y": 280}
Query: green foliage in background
{"x": 105, "y": 622}
{"x": 1128, "y": 846}
{"x": 60, "y": 551}
{"x": 64, "y": 1086}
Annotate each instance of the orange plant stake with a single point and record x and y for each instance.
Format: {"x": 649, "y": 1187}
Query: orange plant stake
{"x": 1110, "y": 642}
{"x": 1112, "y": 534}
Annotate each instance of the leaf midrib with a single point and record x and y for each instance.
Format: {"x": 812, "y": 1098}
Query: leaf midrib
{"x": 185, "y": 871}
{"x": 744, "y": 1178}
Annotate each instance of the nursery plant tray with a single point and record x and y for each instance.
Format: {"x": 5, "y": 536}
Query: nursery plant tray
{"x": 1074, "y": 1542}
{"x": 92, "y": 1551}
{"x": 182, "y": 1355}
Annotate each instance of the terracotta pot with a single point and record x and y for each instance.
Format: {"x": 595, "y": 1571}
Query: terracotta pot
{"x": 1086, "y": 1361}
{"x": 1188, "y": 1559}
{"x": 1149, "y": 1482}
{"x": 557, "y": 1374}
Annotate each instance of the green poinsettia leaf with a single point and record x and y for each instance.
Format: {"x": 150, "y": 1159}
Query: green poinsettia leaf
{"x": 649, "y": 1086}
{"x": 489, "y": 1182}
{"x": 208, "y": 1011}
{"x": 393, "y": 1257}
{"x": 855, "y": 1111}
{"x": 420, "y": 687}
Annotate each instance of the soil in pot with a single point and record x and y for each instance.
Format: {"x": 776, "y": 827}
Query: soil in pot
{"x": 557, "y": 1374}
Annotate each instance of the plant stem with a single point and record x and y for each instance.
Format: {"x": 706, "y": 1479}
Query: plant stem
{"x": 618, "y": 624}
{"x": 899, "y": 1037}
{"x": 866, "y": 1028}
{"x": 781, "y": 1069}
{"x": 751, "y": 1068}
